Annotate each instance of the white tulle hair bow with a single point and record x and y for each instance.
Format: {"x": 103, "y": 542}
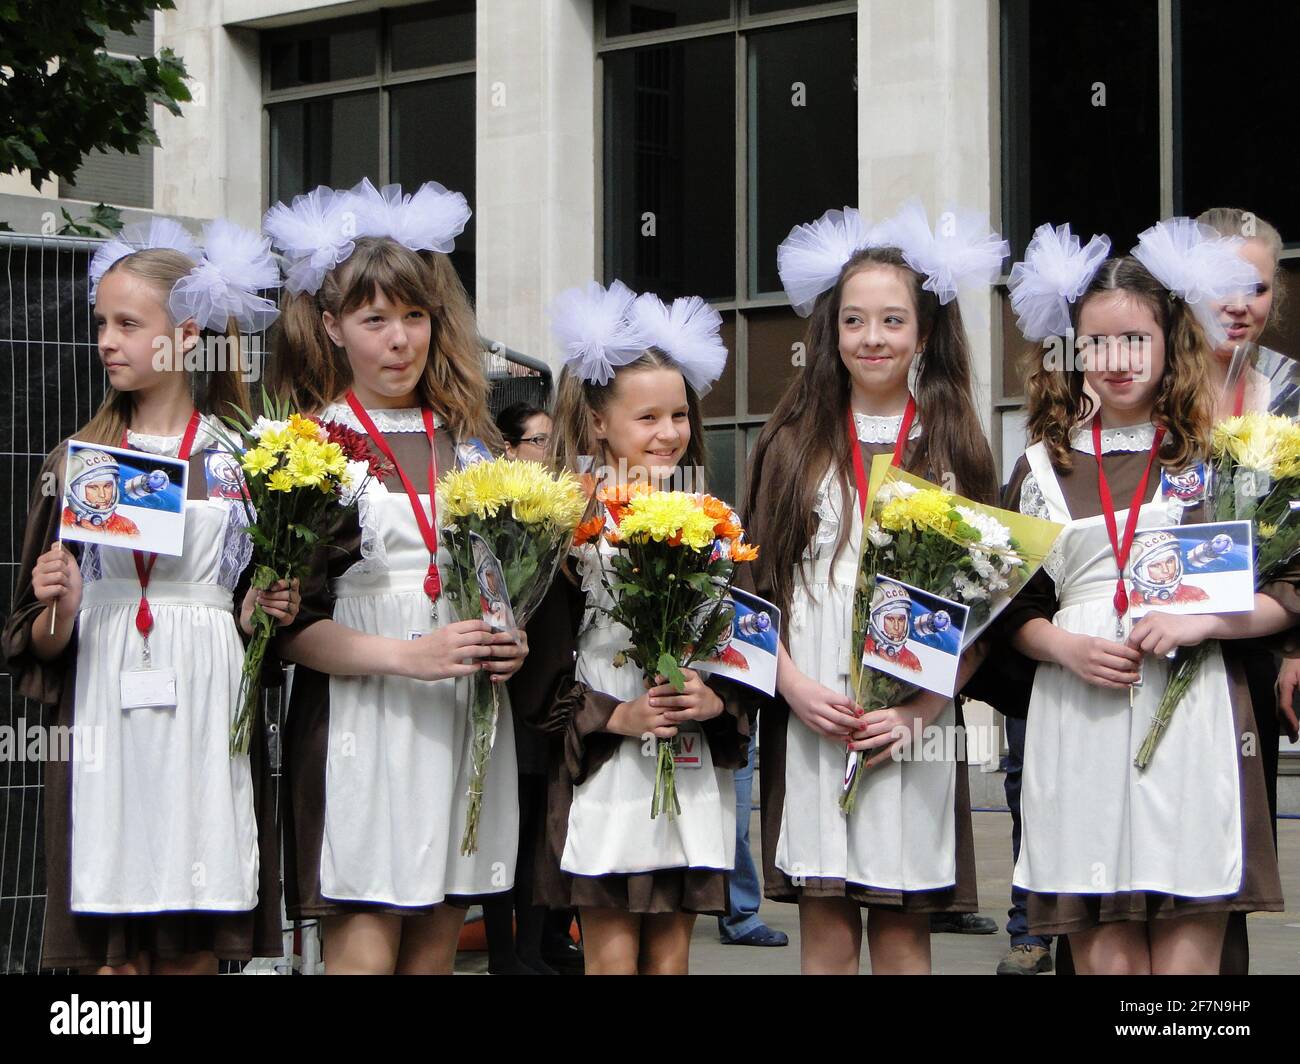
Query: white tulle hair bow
{"x": 315, "y": 233}
{"x": 810, "y": 259}
{"x": 1199, "y": 266}
{"x": 688, "y": 332}
{"x": 1054, "y": 273}
{"x": 236, "y": 265}
{"x": 963, "y": 252}
{"x": 592, "y": 326}
{"x": 141, "y": 236}
{"x": 429, "y": 219}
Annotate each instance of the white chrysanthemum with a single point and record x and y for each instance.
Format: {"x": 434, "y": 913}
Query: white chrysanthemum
{"x": 878, "y": 536}
{"x": 993, "y": 533}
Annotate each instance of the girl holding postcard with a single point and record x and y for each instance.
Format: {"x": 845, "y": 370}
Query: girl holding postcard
{"x": 1138, "y": 868}
{"x": 160, "y": 846}
{"x": 378, "y": 336}
{"x": 888, "y": 371}
{"x": 629, "y": 397}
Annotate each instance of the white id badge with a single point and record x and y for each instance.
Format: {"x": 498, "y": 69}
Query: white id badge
{"x": 688, "y": 749}
{"x": 148, "y": 687}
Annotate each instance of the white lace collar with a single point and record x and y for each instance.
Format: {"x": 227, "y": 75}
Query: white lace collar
{"x": 1125, "y": 438}
{"x": 171, "y": 445}
{"x": 407, "y": 419}
{"x": 881, "y": 428}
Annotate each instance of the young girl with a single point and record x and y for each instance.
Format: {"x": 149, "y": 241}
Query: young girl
{"x": 888, "y": 371}
{"x": 379, "y": 336}
{"x": 629, "y": 398}
{"x": 1139, "y": 868}
{"x": 1260, "y": 387}
{"x": 1245, "y": 317}
{"x": 160, "y": 847}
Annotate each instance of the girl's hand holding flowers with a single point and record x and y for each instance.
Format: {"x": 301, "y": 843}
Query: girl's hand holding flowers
{"x": 281, "y": 601}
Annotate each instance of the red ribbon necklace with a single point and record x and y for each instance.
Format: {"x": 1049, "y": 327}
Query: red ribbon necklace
{"x": 859, "y": 467}
{"x": 144, "y": 560}
{"x": 1121, "y": 550}
{"x": 427, "y": 522}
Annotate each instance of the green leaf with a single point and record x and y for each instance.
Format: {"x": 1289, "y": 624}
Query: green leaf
{"x": 667, "y": 666}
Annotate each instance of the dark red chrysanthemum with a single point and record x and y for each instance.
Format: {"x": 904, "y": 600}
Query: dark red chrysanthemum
{"x": 357, "y": 448}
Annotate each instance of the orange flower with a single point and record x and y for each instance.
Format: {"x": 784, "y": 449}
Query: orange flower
{"x": 716, "y": 508}
{"x": 727, "y": 530}
{"x": 589, "y": 530}
{"x": 743, "y": 552}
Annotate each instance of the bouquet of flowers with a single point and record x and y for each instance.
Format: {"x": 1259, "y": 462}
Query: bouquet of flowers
{"x": 947, "y": 545}
{"x": 525, "y": 515}
{"x": 674, "y": 562}
{"x": 298, "y": 471}
{"x": 1255, "y": 476}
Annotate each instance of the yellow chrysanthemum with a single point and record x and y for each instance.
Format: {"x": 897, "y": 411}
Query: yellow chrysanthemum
{"x": 280, "y": 480}
{"x": 304, "y": 428}
{"x": 306, "y": 464}
{"x": 1267, "y": 531}
{"x": 276, "y": 440}
{"x": 1265, "y": 442}
{"x": 534, "y": 495}
{"x": 668, "y": 516}
{"x": 257, "y": 461}
{"x": 928, "y": 508}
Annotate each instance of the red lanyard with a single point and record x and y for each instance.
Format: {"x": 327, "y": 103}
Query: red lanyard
{"x": 143, "y": 568}
{"x": 426, "y": 522}
{"x": 1121, "y": 552}
{"x": 859, "y": 467}
{"x": 1239, "y": 401}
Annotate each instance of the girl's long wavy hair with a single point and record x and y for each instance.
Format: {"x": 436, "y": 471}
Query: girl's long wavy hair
{"x": 576, "y": 400}
{"x": 1184, "y": 404}
{"x": 807, "y": 434}
{"x": 308, "y": 369}
{"x": 217, "y": 392}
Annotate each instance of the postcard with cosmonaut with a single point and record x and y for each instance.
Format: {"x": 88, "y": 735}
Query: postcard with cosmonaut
{"x": 123, "y": 498}
{"x": 914, "y": 635}
{"x": 224, "y": 475}
{"x": 749, "y": 643}
{"x": 492, "y": 594}
{"x": 1207, "y": 568}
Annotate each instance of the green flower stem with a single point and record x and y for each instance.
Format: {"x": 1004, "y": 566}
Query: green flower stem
{"x": 1185, "y": 671}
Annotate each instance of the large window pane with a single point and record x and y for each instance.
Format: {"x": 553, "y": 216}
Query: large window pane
{"x": 1236, "y": 126}
{"x": 803, "y": 133}
{"x": 720, "y": 445}
{"x": 431, "y": 34}
{"x": 1081, "y": 118}
{"x": 432, "y": 139}
{"x": 332, "y": 141}
{"x": 330, "y": 51}
{"x": 721, "y": 400}
{"x": 639, "y": 16}
{"x": 669, "y": 172}
{"x": 766, "y": 7}
{"x": 775, "y": 338}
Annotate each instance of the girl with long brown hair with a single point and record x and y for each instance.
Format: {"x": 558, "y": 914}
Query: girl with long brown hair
{"x": 160, "y": 846}
{"x": 1138, "y": 868}
{"x": 629, "y": 403}
{"x": 378, "y": 335}
{"x": 888, "y": 370}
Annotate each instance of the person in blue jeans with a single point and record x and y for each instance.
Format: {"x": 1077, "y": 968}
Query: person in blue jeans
{"x": 1029, "y": 954}
{"x": 742, "y": 926}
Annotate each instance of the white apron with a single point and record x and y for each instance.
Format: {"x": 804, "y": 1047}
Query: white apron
{"x": 164, "y": 820}
{"x": 901, "y": 835}
{"x": 398, "y": 765}
{"x": 1092, "y": 823}
{"x": 610, "y": 830}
